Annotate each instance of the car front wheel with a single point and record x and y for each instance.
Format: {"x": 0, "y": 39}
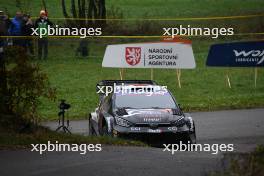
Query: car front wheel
{"x": 190, "y": 137}
{"x": 105, "y": 131}
{"x": 91, "y": 129}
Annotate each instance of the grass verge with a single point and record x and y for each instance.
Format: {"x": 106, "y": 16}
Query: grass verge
{"x": 154, "y": 8}
{"x": 203, "y": 88}
{"x": 12, "y": 140}
{"x": 249, "y": 164}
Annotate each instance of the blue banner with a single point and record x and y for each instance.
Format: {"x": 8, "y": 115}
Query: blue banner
{"x": 239, "y": 54}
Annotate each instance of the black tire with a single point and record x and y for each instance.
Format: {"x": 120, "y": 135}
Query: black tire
{"x": 105, "y": 131}
{"x": 91, "y": 129}
{"x": 190, "y": 137}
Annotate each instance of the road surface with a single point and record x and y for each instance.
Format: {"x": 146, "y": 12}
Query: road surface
{"x": 243, "y": 128}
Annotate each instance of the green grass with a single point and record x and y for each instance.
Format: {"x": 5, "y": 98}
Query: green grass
{"x": 153, "y": 8}
{"x": 250, "y": 163}
{"x": 202, "y": 88}
{"x": 159, "y": 9}
{"x": 12, "y": 140}
{"x": 187, "y": 8}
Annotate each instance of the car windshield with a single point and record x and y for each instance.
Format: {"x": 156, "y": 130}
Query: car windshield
{"x": 144, "y": 101}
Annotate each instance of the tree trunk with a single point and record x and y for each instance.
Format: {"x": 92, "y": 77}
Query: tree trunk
{"x": 73, "y": 9}
{"x": 64, "y": 11}
{"x": 102, "y": 10}
{"x": 91, "y": 11}
{"x": 95, "y": 9}
{"x": 3, "y": 86}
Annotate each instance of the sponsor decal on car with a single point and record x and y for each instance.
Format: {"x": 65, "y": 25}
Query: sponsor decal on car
{"x": 135, "y": 129}
{"x": 172, "y": 128}
{"x": 154, "y": 131}
{"x": 152, "y": 119}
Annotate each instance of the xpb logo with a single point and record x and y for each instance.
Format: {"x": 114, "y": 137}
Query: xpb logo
{"x": 133, "y": 55}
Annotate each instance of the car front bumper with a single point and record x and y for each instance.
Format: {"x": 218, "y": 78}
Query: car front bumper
{"x": 119, "y": 130}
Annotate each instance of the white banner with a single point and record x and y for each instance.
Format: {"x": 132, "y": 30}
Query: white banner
{"x": 150, "y": 55}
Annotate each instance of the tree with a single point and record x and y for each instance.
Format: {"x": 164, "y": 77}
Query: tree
{"x": 4, "y": 24}
{"x": 90, "y": 13}
{"x": 25, "y": 84}
{"x": 82, "y": 16}
{"x": 24, "y": 6}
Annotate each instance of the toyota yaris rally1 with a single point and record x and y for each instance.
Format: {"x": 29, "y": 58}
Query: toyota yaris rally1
{"x": 139, "y": 108}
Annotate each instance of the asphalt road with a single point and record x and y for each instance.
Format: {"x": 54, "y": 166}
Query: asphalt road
{"x": 243, "y": 128}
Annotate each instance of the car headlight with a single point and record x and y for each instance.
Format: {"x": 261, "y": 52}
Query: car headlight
{"x": 122, "y": 122}
{"x": 180, "y": 122}
{"x": 190, "y": 123}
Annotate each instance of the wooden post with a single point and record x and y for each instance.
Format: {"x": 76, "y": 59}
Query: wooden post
{"x": 121, "y": 74}
{"x": 256, "y": 76}
{"x": 228, "y": 80}
{"x": 178, "y": 72}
